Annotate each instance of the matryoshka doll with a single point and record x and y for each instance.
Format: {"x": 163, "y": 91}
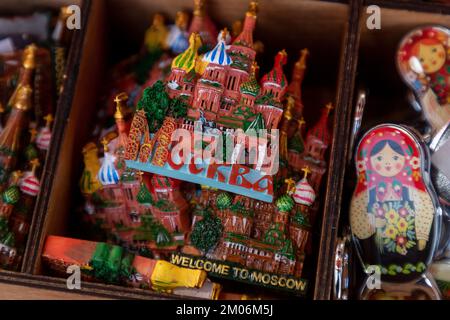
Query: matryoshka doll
{"x": 423, "y": 60}
{"x": 394, "y": 214}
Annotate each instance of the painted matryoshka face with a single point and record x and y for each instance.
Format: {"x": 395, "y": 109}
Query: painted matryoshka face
{"x": 387, "y": 162}
{"x": 431, "y": 57}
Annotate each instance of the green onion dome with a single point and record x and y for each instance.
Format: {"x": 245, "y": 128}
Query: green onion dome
{"x": 250, "y": 87}
{"x": 224, "y": 201}
{"x": 11, "y": 195}
{"x": 284, "y": 203}
{"x": 31, "y": 152}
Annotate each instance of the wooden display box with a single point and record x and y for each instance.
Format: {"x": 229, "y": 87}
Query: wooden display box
{"x": 334, "y": 33}
{"x": 64, "y": 103}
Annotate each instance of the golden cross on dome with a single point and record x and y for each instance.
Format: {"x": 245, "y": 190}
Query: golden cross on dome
{"x": 290, "y": 185}
{"x": 34, "y": 164}
{"x": 33, "y": 134}
{"x": 119, "y": 100}
{"x": 329, "y": 107}
{"x": 104, "y": 142}
{"x": 307, "y": 171}
{"x": 48, "y": 120}
{"x": 16, "y": 175}
{"x": 301, "y": 63}
{"x": 301, "y": 122}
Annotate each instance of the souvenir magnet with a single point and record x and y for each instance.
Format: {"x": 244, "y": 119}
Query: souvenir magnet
{"x": 394, "y": 213}
{"x": 423, "y": 61}
{"x": 341, "y": 267}
{"x": 440, "y": 175}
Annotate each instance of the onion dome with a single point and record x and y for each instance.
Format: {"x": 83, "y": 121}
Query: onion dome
{"x": 224, "y": 201}
{"x": 276, "y": 75}
{"x": 284, "y": 203}
{"x": 304, "y": 194}
{"x": 108, "y": 175}
{"x": 245, "y": 38}
{"x": 219, "y": 54}
{"x": 45, "y": 135}
{"x": 30, "y": 184}
{"x": 251, "y": 86}
{"x": 320, "y": 130}
{"x": 202, "y": 24}
{"x": 186, "y": 60}
{"x": 12, "y": 194}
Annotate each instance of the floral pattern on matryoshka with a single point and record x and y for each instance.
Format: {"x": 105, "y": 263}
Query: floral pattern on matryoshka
{"x": 424, "y": 62}
{"x": 391, "y": 204}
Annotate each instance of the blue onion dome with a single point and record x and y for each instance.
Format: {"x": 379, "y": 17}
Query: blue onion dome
{"x": 108, "y": 175}
{"x": 219, "y": 54}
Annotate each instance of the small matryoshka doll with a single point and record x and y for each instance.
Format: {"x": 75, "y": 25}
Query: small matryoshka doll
{"x": 423, "y": 60}
{"x": 155, "y": 36}
{"x": 394, "y": 214}
{"x": 178, "y": 37}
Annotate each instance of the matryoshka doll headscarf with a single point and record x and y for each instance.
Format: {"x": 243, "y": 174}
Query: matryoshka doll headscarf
{"x": 423, "y": 59}
{"x": 368, "y": 176}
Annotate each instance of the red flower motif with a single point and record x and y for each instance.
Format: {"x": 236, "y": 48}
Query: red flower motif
{"x": 401, "y": 241}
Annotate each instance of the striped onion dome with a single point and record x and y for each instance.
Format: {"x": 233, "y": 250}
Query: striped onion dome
{"x": 186, "y": 60}
{"x": 304, "y": 193}
{"x": 11, "y": 195}
{"x": 43, "y": 138}
{"x": 219, "y": 54}
{"x": 108, "y": 174}
{"x": 30, "y": 184}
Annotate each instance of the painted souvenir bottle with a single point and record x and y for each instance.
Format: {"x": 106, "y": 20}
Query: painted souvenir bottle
{"x": 423, "y": 61}
{"x": 26, "y": 73}
{"x": 394, "y": 214}
{"x": 11, "y": 136}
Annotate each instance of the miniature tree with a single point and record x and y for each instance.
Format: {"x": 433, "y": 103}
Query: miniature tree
{"x": 207, "y": 233}
{"x": 224, "y": 201}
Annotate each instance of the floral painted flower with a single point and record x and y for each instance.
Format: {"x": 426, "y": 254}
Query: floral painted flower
{"x": 361, "y": 166}
{"x": 415, "y": 163}
{"x": 392, "y": 216}
{"x": 380, "y": 212}
{"x": 403, "y": 212}
{"x": 401, "y": 241}
{"x": 416, "y": 175}
{"x": 402, "y": 225}
{"x": 391, "y": 232}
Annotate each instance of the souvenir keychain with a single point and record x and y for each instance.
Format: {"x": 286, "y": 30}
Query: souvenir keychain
{"x": 423, "y": 61}
{"x": 394, "y": 214}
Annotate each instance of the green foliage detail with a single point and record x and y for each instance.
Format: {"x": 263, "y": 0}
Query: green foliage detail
{"x": 224, "y": 201}
{"x": 157, "y": 105}
{"x": 153, "y": 230}
{"x": 207, "y": 233}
